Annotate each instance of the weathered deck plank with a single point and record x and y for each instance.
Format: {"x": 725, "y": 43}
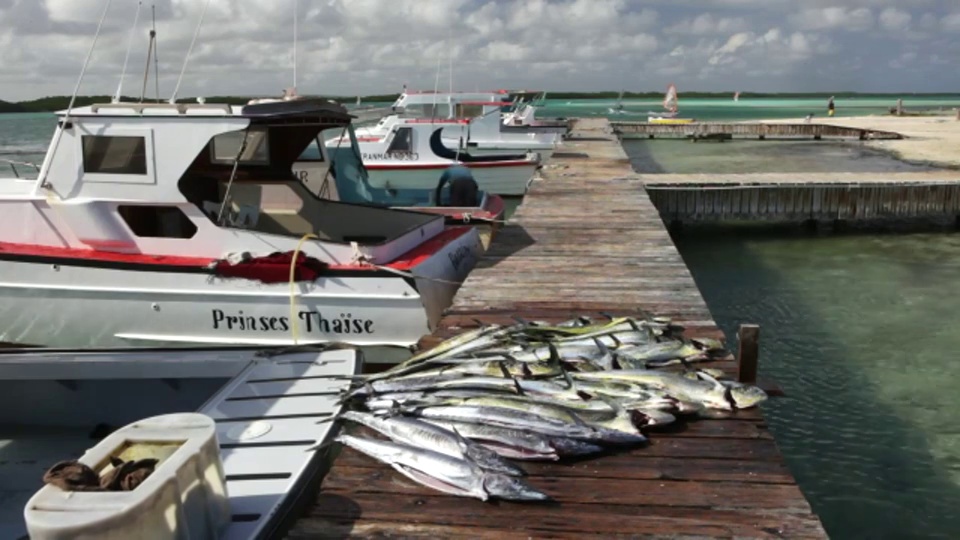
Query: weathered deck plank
{"x": 551, "y": 262}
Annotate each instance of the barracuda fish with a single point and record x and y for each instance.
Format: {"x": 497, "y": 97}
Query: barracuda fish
{"x": 442, "y": 472}
{"x": 509, "y": 443}
{"x": 508, "y": 418}
{"x": 615, "y": 427}
{"x": 486, "y": 368}
{"x": 424, "y": 435}
{"x": 454, "y": 382}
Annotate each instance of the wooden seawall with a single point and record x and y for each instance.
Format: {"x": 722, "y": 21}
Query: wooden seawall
{"x": 798, "y": 197}
{"x": 587, "y": 240}
{"x": 731, "y": 130}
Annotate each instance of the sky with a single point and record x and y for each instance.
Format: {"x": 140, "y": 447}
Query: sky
{"x": 358, "y": 47}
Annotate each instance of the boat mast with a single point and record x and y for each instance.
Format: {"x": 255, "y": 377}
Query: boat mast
{"x": 65, "y": 122}
{"x": 126, "y": 57}
{"x": 151, "y": 53}
{"x": 156, "y": 55}
{"x": 296, "y": 5}
{"x": 176, "y": 89}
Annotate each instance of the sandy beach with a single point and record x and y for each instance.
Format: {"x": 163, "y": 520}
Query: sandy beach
{"x": 930, "y": 139}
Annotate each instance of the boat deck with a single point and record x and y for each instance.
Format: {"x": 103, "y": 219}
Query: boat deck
{"x": 711, "y": 478}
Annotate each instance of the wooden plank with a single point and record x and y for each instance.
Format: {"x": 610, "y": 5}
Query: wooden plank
{"x": 462, "y": 517}
{"x": 650, "y": 468}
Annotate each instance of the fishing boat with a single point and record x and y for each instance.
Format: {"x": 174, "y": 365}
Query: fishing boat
{"x": 671, "y": 105}
{"x": 517, "y": 111}
{"x": 260, "y": 413}
{"x": 182, "y": 224}
{"x": 407, "y": 153}
{"x": 339, "y": 174}
{"x": 521, "y": 115}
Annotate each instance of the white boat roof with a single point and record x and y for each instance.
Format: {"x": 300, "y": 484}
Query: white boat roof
{"x": 256, "y": 108}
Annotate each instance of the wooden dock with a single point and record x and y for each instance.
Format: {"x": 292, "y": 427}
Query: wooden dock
{"x": 587, "y": 239}
{"x": 743, "y": 130}
{"x": 805, "y": 197}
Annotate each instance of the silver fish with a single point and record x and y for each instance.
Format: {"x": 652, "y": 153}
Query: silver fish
{"x": 424, "y": 435}
{"x": 442, "y": 472}
{"x": 509, "y": 443}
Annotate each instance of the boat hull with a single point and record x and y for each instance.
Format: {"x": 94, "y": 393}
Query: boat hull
{"x": 76, "y": 306}
{"x": 511, "y": 179}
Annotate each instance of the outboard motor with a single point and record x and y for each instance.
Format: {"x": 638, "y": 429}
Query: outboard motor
{"x": 464, "y": 190}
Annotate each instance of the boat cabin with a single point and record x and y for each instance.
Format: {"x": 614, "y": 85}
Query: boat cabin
{"x": 200, "y": 180}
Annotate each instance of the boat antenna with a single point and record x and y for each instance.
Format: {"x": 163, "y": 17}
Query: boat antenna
{"x": 156, "y": 55}
{"x": 296, "y": 5}
{"x": 173, "y": 98}
{"x": 436, "y": 87}
{"x": 63, "y": 124}
{"x": 450, "y": 54}
{"x": 151, "y": 53}
{"x": 123, "y": 72}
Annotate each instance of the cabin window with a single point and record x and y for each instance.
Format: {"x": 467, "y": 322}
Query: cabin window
{"x": 428, "y": 110}
{"x": 469, "y": 111}
{"x": 402, "y": 140}
{"x": 114, "y": 155}
{"x": 313, "y": 152}
{"x": 157, "y": 221}
{"x": 226, "y": 147}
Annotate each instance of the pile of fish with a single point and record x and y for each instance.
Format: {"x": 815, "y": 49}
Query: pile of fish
{"x": 456, "y": 413}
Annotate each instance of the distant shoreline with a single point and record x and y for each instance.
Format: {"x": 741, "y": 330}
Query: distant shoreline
{"x": 57, "y": 103}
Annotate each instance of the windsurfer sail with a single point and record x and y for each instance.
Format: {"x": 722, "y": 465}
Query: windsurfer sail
{"x": 736, "y": 96}
{"x": 618, "y": 108}
{"x": 670, "y": 100}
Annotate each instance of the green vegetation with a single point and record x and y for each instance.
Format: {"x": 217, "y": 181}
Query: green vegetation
{"x": 7, "y": 107}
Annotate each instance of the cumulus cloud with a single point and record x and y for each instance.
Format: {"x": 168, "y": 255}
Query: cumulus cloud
{"x": 349, "y": 47}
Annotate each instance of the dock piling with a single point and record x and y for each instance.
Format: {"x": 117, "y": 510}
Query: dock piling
{"x": 748, "y": 353}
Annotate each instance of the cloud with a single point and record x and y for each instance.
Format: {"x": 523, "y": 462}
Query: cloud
{"x": 349, "y": 47}
{"x": 894, "y": 20}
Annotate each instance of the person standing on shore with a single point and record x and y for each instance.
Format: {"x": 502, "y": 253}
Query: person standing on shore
{"x": 831, "y": 108}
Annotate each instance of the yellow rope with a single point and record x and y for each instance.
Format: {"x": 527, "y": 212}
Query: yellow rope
{"x": 293, "y": 268}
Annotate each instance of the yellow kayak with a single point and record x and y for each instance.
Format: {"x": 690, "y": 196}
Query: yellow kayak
{"x": 670, "y": 120}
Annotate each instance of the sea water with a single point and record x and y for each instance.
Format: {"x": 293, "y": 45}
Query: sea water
{"x": 862, "y": 333}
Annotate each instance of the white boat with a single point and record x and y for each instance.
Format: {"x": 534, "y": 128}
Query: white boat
{"x": 126, "y": 237}
{"x": 262, "y": 413}
{"x": 517, "y": 116}
{"x": 409, "y": 153}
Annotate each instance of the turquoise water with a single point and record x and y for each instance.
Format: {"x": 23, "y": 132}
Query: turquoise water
{"x": 861, "y": 333}
{"x": 746, "y": 108}
{"x": 24, "y": 138}
{"x": 751, "y": 156}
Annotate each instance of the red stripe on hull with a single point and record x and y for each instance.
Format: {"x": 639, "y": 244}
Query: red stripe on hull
{"x": 405, "y": 262}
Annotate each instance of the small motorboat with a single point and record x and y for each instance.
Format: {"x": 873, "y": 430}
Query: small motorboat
{"x": 339, "y": 174}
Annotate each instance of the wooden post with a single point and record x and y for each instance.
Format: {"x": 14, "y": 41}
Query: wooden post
{"x": 748, "y": 353}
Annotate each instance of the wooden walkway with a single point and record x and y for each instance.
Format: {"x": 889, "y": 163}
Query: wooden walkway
{"x": 798, "y": 197}
{"x": 587, "y": 240}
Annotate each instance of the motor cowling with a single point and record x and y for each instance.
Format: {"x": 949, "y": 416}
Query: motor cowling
{"x": 464, "y": 190}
